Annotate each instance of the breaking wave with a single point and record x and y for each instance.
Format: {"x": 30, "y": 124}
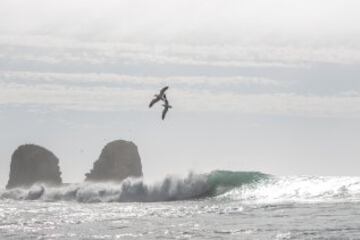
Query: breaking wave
{"x": 298, "y": 189}
{"x": 245, "y": 187}
{"x": 194, "y": 186}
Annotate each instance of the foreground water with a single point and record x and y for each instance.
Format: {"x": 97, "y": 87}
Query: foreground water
{"x": 266, "y": 208}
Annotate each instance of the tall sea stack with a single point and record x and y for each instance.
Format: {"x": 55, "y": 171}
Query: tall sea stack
{"x": 118, "y": 160}
{"x": 32, "y": 164}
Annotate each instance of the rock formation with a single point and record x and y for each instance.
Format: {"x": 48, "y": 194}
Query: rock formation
{"x": 118, "y": 160}
{"x": 31, "y": 164}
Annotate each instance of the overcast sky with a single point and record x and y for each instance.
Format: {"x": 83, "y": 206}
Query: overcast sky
{"x": 266, "y": 85}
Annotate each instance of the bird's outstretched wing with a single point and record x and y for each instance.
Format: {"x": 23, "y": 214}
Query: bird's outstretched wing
{"x": 164, "y": 113}
{"x": 162, "y": 91}
{"x": 155, "y": 100}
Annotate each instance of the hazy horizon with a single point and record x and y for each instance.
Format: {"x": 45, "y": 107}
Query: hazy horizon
{"x": 270, "y": 86}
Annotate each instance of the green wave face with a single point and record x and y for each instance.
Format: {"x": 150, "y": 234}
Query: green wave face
{"x": 221, "y": 181}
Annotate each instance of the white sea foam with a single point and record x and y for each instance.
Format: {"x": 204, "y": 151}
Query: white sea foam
{"x": 130, "y": 190}
{"x": 298, "y": 189}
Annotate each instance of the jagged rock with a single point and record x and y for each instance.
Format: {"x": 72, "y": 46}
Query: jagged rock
{"x": 118, "y": 160}
{"x": 31, "y": 164}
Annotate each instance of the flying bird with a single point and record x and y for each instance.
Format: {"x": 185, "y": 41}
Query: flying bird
{"x": 166, "y": 106}
{"x": 159, "y": 96}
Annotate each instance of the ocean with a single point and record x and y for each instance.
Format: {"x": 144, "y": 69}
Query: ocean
{"x": 217, "y": 205}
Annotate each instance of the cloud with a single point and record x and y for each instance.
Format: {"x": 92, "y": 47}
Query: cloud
{"x": 122, "y": 98}
{"x": 96, "y": 55}
{"x": 273, "y": 104}
{"x": 29, "y": 78}
{"x": 259, "y": 33}
{"x": 64, "y": 53}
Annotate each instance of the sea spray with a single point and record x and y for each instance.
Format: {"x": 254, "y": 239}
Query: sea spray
{"x": 284, "y": 189}
{"x": 244, "y": 187}
{"x": 194, "y": 186}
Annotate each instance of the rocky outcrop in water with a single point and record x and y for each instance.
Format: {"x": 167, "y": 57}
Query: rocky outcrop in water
{"x": 33, "y": 164}
{"x": 118, "y": 160}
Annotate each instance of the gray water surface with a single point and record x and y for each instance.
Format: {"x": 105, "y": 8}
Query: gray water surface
{"x": 201, "y": 219}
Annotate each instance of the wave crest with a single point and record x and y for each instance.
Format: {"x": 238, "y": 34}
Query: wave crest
{"x": 194, "y": 186}
{"x": 246, "y": 187}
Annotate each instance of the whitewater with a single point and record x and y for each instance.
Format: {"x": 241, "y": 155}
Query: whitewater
{"x": 215, "y": 205}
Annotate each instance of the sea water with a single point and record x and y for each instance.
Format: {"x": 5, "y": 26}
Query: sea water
{"x": 219, "y": 205}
